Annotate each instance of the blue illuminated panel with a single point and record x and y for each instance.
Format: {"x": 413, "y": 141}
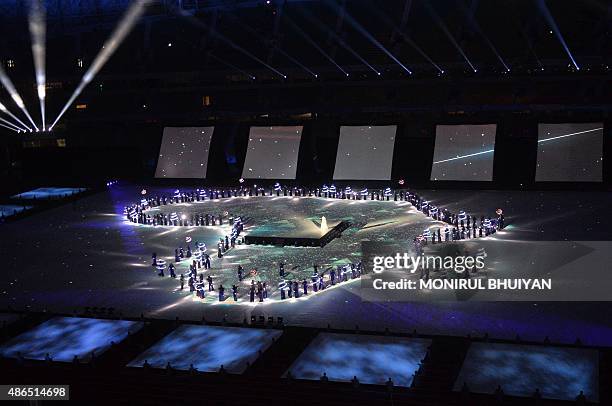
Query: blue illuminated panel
{"x": 558, "y": 373}
{"x": 11, "y": 209}
{"x": 64, "y": 337}
{"x": 207, "y": 348}
{"x": 48, "y": 193}
{"x": 372, "y": 359}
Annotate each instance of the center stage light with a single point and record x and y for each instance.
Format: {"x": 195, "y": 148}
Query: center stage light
{"x": 38, "y": 32}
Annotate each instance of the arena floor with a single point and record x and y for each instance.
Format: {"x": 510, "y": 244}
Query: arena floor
{"x": 87, "y": 254}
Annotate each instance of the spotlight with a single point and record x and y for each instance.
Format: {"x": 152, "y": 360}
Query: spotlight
{"x": 38, "y": 33}
{"x": 555, "y": 29}
{"x": 123, "y": 28}
{"x": 8, "y": 85}
{"x": 357, "y": 26}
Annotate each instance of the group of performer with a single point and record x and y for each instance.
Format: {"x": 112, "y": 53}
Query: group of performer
{"x": 460, "y": 226}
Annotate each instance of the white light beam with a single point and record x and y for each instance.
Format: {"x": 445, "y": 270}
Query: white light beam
{"x": 8, "y": 84}
{"x": 7, "y": 112}
{"x": 128, "y": 21}
{"x": 38, "y": 32}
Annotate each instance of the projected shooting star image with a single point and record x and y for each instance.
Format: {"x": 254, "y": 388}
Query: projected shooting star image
{"x": 570, "y": 152}
{"x": 487, "y": 153}
{"x": 490, "y": 151}
{"x": 454, "y": 146}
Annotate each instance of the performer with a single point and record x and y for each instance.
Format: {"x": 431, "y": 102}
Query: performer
{"x": 221, "y": 293}
{"x": 281, "y": 269}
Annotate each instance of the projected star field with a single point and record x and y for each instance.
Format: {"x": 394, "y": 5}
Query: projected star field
{"x": 184, "y": 152}
{"x": 272, "y": 153}
{"x": 570, "y": 152}
{"x": 365, "y": 152}
{"x": 464, "y": 152}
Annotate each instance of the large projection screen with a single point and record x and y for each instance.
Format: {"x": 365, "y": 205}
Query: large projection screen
{"x": 464, "y": 152}
{"x": 184, "y": 152}
{"x": 365, "y": 152}
{"x": 272, "y": 153}
{"x": 570, "y": 152}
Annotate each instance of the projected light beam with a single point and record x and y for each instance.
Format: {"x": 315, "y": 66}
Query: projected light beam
{"x": 307, "y": 38}
{"x": 9, "y": 125}
{"x": 355, "y": 24}
{"x": 315, "y": 21}
{"x": 8, "y": 84}
{"x": 553, "y": 26}
{"x": 124, "y": 27}
{"x": 447, "y": 32}
{"x": 225, "y": 39}
{"x": 38, "y": 32}
{"x": 477, "y": 28}
{"x": 224, "y": 62}
{"x": 405, "y": 37}
{"x": 489, "y": 151}
{"x": 7, "y": 112}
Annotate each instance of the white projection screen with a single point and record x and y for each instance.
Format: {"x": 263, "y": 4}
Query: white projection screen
{"x": 184, "y": 152}
{"x": 365, "y": 152}
{"x": 464, "y": 152}
{"x": 570, "y": 152}
{"x": 272, "y": 152}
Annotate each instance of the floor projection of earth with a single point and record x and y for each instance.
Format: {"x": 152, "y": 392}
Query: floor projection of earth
{"x": 286, "y": 217}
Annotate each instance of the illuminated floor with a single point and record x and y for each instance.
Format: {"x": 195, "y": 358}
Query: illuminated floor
{"x": 282, "y": 216}
{"x": 558, "y": 373}
{"x": 44, "y": 193}
{"x": 85, "y": 254}
{"x": 207, "y": 348}
{"x": 12, "y": 209}
{"x": 372, "y": 359}
{"x": 63, "y": 338}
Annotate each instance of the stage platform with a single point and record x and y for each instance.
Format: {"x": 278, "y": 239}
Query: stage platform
{"x": 208, "y": 347}
{"x": 49, "y": 193}
{"x": 558, "y": 373}
{"x": 372, "y": 359}
{"x": 284, "y": 241}
{"x": 63, "y": 338}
